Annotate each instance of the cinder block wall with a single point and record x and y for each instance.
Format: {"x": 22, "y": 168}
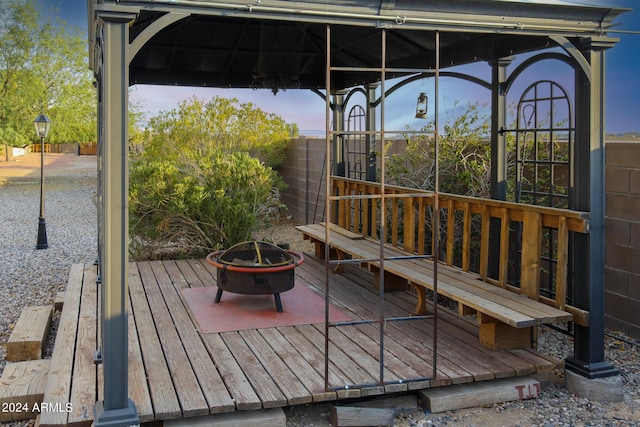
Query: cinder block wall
{"x": 622, "y": 230}
{"x": 302, "y": 172}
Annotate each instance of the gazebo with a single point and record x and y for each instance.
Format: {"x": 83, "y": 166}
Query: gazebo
{"x": 332, "y": 47}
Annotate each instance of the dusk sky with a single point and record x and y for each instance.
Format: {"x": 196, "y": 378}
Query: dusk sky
{"x": 622, "y": 90}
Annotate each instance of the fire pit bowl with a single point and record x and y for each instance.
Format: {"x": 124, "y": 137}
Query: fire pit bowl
{"x": 255, "y": 268}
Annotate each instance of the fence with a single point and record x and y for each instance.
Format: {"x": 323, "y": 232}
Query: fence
{"x": 622, "y": 228}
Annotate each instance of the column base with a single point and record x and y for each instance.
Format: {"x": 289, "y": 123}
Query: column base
{"x": 42, "y": 234}
{"x": 590, "y": 370}
{"x": 607, "y": 389}
{"x": 115, "y": 417}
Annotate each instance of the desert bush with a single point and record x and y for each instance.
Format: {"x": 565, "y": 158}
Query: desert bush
{"x": 179, "y": 209}
{"x": 202, "y": 178}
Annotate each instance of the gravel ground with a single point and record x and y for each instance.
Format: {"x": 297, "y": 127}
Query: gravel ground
{"x": 33, "y": 277}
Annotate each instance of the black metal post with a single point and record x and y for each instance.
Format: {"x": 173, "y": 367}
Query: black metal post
{"x": 42, "y": 224}
{"x": 498, "y": 155}
{"x": 589, "y": 195}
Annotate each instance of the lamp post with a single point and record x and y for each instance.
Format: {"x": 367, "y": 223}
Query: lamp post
{"x": 42, "y": 124}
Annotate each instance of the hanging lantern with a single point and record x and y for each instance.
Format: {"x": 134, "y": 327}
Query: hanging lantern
{"x": 421, "y": 106}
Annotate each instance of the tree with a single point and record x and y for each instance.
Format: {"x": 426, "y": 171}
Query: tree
{"x": 221, "y": 123}
{"x": 464, "y": 160}
{"x": 43, "y": 68}
{"x": 197, "y": 179}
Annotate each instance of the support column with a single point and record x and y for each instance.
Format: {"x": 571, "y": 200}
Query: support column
{"x": 371, "y": 126}
{"x": 117, "y": 409}
{"x": 589, "y": 195}
{"x": 371, "y": 145}
{"x": 498, "y": 154}
{"x": 338, "y": 138}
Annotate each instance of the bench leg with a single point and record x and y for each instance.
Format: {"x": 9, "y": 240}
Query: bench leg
{"x": 319, "y": 247}
{"x": 339, "y": 268}
{"x": 391, "y": 281}
{"x": 421, "y": 306}
{"x": 497, "y": 335}
{"x": 333, "y": 254}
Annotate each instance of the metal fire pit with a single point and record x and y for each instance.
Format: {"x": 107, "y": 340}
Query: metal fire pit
{"x": 255, "y": 268}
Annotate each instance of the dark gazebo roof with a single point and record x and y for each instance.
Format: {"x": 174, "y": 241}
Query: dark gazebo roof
{"x": 239, "y": 43}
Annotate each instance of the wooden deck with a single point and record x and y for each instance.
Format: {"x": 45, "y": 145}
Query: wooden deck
{"x": 177, "y": 372}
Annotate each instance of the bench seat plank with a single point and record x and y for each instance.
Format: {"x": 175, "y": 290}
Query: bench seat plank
{"x": 466, "y": 288}
{"x": 543, "y": 313}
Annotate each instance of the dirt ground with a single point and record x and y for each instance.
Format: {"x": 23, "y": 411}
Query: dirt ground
{"x": 57, "y": 164}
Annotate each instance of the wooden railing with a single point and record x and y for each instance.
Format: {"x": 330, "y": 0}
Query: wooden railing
{"x": 465, "y": 229}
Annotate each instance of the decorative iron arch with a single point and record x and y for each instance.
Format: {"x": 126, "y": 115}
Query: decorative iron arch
{"x": 522, "y": 67}
{"x": 544, "y": 168}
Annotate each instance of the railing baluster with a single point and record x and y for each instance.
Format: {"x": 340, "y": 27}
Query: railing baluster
{"x": 422, "y": 217}
{"x": 409, "y": 237}
{"x": 484, "y": 242}
{"x": 504, "y": 247}
{"x": 531, "y": 251}
{"x": 466, "y": 237}
{"x": 451, "y": 231}
{"x": 562, "y": 263}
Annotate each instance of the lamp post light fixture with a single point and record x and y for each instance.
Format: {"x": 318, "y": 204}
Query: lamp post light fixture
{"x": 42, "y": 124}
{"x": 421, "y": 106}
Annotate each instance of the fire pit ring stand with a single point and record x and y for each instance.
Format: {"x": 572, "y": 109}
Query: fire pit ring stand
{"x": 255, "y": 268}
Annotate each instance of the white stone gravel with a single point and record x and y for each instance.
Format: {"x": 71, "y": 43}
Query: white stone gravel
{"x": 33, "y": 277}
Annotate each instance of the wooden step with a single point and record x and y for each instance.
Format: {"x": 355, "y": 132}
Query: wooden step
{"x": 58, "y": 301}
{"x": 347, "y": 416}
{"x": 479, "y": 394}
{"x": 271, "y": 417}
{"x": 27, "y": 339}
{"x": 22, "y": 389}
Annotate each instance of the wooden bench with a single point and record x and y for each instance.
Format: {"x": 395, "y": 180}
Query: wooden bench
{"x": 506, "y": 319}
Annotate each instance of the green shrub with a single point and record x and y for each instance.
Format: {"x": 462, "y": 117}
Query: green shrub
{"x": 193, "y": 205}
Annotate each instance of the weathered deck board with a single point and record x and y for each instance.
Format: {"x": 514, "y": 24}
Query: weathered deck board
{"x": 58, "y": 388}
{"x": 462, "y": 335}
{"x": 163, "y": 393}
{"x": 367, "y": 361}
{"x": 22, "y": 387}
{"x": 137, "y": 383}
{"x": 352, "y": 371}
{"x": 268, "y": 391}
{"x": 314, "y": 356}
{"x": 176, "y": 371}
{"x": 189, "y": 393}
{"x": 202, "y": 272}
{"x": 243, "y": 394}
{"x": 371, "y": 345}
{"x": 83, "y": 388}
{"x": 189, "y": 275}
{"x": 216, "y": 394}
{"x": 295, "y": 392}
{"x": 289, "y": 354}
